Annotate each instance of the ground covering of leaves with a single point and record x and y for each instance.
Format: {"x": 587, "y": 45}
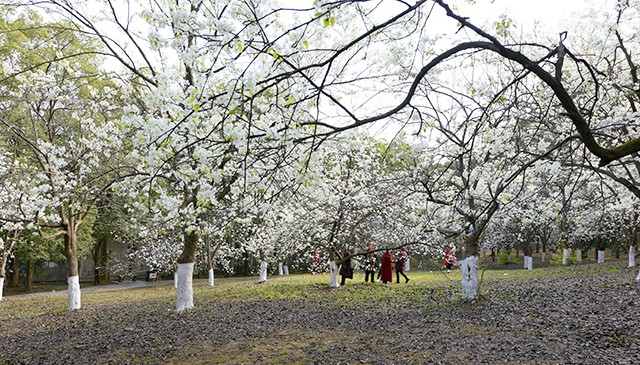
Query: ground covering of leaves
{"x": 585, "y": 314}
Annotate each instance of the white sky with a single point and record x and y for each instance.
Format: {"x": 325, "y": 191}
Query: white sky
{"x": 554, "y": 16}
{"x": 552, "y": 13}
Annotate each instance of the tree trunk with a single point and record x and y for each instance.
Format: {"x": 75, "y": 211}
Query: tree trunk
{"x": 184, "y": 292}
{"x": 71, "y": 252}
{"x": 578, "y": 255}
{"x": 632, "y": 244}
{"x": 101, "y": 260}
{"x": 333, "y": 270}
{"x": 280, "y": 271}
{"x": 28, "y": 281}
{"x": 527, "y": 251}
{"x": 600, "y": 256}
{"x": 469, "y": 265}
{"x": 211, "y": 278}
{"x": 96, "y": 261}
{"x": 566, "y": 254}
{"x": 285, "y": 268}
{"x": 15, "y": 274}
{"x": 263, "y": 271}
{"x": 469, "y": 268}
{"x": 528, "y": 263}
{"x": 245, "y": 264}
{"x": 3, "y": 272}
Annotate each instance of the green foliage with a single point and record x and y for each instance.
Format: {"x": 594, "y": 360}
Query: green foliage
{"x": 503, "y": 25}
{"x": 507, "y": 257}
{"x": 572, "y": 260}
{"x": 396, "y": 155}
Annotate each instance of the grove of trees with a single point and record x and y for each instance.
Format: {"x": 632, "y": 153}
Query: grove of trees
{"x": 204, "y": 134}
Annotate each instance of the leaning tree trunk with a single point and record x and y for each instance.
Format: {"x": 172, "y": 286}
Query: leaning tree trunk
{"x": 184, "y": 276}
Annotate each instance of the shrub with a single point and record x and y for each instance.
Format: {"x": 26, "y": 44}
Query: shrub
{"x": 507, "y": 257}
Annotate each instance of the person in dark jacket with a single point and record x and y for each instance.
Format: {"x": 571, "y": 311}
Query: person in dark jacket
{"x": 370, "y": 263}
{"x": 346, "y": 271}
{"x": 401, "y": 261}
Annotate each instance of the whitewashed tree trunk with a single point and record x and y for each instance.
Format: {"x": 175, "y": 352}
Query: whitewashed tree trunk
{"x": 407, "y": 265}
{"x": 528, "y": 262}
{"x": 286, "y": 269}
{"x": 578, "y": 255}
{"x": 280, "y": 271}
{"x": 600, "y": 256}
{"x": 333, "y": 270}
{"x": 638, "y": 277}
{"x": 469, "y": 267}
{"x": 566, "y": 254}
{"x": 184, "y": 298}
{"x": 1, "y": 287}
{"x": 175, "y": 280}
{"x": 632, "y": 256}
{"x": 542, "y": 257}
{"x": 211, "y": 277}
{"x": 73, "y": 292}
{"x": 263, "y": 272}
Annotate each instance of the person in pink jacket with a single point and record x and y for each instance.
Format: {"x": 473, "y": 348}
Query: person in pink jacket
{"x": 401, "y": 260}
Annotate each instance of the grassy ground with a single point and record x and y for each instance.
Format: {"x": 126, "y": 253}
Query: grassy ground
{"x": 584, "y": 314}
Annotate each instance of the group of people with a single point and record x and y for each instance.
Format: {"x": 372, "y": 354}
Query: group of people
{"x": 377, "y": 262}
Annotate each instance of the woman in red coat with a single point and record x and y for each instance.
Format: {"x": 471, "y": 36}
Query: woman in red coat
{"x": 387, "y": 267}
